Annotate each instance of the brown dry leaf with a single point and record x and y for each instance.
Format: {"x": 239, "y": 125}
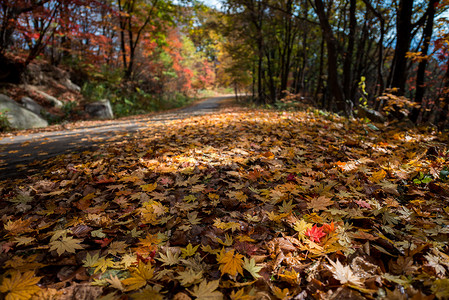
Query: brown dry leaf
{"x": 320, "y": 203}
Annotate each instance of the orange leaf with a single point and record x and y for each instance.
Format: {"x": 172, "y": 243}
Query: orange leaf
{"x": 231, "y": 263}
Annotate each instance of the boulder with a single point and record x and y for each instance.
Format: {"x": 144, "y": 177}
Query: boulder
{"x": 52, "y": 100}
{"x": 373, "y": 115}
{"x": 32, "y": 105}
{"x": 101, "y": 109}
{"x": 20, "y": 117}
{"x": 71, "y": 86}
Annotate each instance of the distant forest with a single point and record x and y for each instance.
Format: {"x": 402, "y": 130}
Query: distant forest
{"x": 343, "y": 56}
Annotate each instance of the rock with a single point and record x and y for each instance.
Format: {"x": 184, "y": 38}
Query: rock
{"x": 20, "y": 117}
{"x": 53, "y": 101}
{"x": 373, "y": 115}
{"x": 100, "y": 109}
{"x": 32, "y": 105}
{"x": 71, "y": 86}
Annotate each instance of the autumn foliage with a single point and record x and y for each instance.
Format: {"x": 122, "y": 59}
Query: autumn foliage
{"x": 242, "y": 204}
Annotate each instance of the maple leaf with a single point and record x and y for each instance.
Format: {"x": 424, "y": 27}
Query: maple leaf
{"x": 20, "y": 286}
{"x": 128, "y": 260}
{"x": 149, "y": 240}
{"x": 241, "y": 295}
{"x": 198, "y": 188}
{"x": 193, "y": 218}
{"x": 103, "y": 264}
{"x": 139, "y": 276}
{"x": 189, "y": 250}
{"x": 291, "y": 277}
{"x": 149, "y": 292}
{"x": 18, "y": 226}
{"x": 287, "y": 207}
{"x": 320, "y": 203}
{"x": 344, "y": 274}
{"x": 251, "y": 267}
{"x": 226, "y": 225}
{"x": 281, "y": 294}
{"x": 66, "y": 244}
{"x": 238, "y": 195}
{"x": 24, "y": 240}
{"x": 378, "y": 176}
{"x": 165, "y": 180}
{"x": 147, "y": 187}
{"x": 115, "y": 282}
{"x": 208, "y": 249}
{"x": 315, "y": 233}
{"x": 189, "y": 198}
{"x": 329, "y": 228}
{"x": 207, "y": 291}
{"x": 301, "y": 227}
{"x": 434, "y": 262}
{"x": 117, "y": 247}
{"x": 227, "y": 242}
{"x": 90, "y": 261}
{"x": 169, "y": 259}
{"x": 231, "y": 263}
{"x": 245, "y": 238}
{"x": 276, "y": 217}
{"x": 189, "y": 277}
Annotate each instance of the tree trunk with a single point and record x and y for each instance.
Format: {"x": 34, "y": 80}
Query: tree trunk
{"x": 332, "y": 65}
{"x": 404, "y": 36}
{"x": 347, "y": 66}
{"x": 420, "y": 76}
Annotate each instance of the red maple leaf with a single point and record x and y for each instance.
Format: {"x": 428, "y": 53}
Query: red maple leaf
{"x": 315, "y": 233}
{"x": 103, "y": 242}
{"x": 291, "y": 177}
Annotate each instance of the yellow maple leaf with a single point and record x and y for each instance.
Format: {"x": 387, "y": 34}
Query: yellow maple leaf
{"x": 227, "y": 242}
{"x": 189, "y": 250}
{"x": 20, "y": 286}
{"x": 231, "y": 263}
{"x": 149, "y": 187}
{"x": 226, "y": 225}
{"x": 246, "y": 238}
{"x": 281, "y": 294}
{"x": 291, "y": 277}
{"x": 301, "y": 227}
{"x": 241, "y": 295}
{"x": 18, "y": 226}
{"x": 378, "y": 176}
{"x": 148, "y": 292}
{"x": 139, "y": 276}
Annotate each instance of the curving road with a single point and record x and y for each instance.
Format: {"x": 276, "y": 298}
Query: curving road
{"x": 20, "y": 155}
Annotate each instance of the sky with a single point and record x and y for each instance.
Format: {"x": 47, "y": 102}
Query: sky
{"x": 212, "y": 3}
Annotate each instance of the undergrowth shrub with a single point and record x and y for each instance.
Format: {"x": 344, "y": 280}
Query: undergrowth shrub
{"x": 5, "y": 125}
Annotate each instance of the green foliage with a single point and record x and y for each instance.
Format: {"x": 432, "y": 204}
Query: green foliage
{"x": 444, "y": 174}
{"x": 362, "y": 87}
{"x": 422, "y": 178}
{"x": 69, "y": 108}
{"x": 96, "y": 91}
{"x": 5, "y": 125}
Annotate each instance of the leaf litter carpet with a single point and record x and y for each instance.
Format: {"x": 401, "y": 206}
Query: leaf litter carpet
{"x": 242, "y": 204}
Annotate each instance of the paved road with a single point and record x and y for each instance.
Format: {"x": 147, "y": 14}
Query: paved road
{"x": 20, "y": 155}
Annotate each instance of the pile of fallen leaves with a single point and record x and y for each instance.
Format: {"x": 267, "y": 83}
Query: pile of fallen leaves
{"x": 244, "y": 204}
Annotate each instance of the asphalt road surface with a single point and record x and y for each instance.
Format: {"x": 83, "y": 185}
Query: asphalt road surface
{"x": 21, "y": 155}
